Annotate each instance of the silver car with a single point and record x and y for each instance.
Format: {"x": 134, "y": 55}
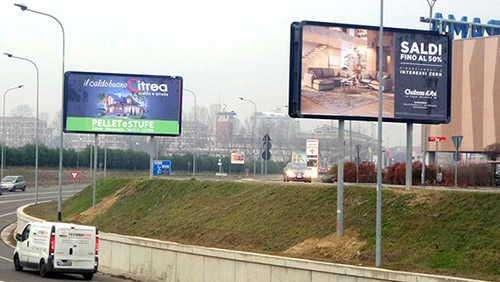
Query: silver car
{"x": 12, "y": 183}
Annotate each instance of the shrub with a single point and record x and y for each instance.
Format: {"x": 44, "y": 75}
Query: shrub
{"x": 367, "y": 172}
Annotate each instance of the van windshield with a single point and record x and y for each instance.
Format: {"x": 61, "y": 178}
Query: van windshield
{"x": 9, "y": 179}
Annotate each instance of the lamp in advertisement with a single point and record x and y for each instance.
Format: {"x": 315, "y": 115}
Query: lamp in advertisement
{"x": 334, "y": 73}
{"x": 108, "y": 103}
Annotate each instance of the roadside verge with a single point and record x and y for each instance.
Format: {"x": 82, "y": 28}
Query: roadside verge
{"x": 154, "y": 260}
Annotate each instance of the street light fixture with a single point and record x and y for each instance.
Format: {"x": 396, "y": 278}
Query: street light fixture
{"x": 195, "y": 129}
{"x": 36, "y": 121}
{"x": 59, "y": 206}
{"x": 3, "y": 122}
{"x": 253, "y": 129}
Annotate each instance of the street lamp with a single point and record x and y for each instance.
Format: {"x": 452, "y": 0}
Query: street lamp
{"x": 253, "y": 129}
{"x": 25, "y": 8}
{"x": 195, "y": 127}
{"x": 36, "y": 121}
{"x": 3, "y": 122}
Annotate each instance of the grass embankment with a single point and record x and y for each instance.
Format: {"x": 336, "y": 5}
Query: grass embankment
{"x": 449, "y": 233}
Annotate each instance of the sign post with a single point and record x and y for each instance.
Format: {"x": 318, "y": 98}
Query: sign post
{"x": 457, "y": 140}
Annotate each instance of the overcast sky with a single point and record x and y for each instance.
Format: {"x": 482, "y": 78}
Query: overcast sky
{"x": 222, "y": 49}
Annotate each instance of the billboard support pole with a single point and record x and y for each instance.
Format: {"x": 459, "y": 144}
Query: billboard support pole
{"x": 95, "y": 172}
{"x": 151, "y": 150}
{"x": 409, "y": 154}
{"x": 378, "y": 248}
{"x": 340, "y": 181}
{"x": 105, "y": 154}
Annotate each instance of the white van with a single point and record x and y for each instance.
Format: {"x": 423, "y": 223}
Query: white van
{"x": 58, "y": 247}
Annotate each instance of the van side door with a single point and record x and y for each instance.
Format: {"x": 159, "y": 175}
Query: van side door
{"x": 24, "y": 245}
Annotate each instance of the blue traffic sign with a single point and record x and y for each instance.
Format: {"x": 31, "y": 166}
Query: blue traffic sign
{"x": 161, "y": 167}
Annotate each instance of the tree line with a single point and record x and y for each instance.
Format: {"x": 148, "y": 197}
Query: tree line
{"x": 126, "y": 159}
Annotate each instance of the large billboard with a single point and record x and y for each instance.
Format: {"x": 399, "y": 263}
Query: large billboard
{"x": 475, "y": 107}
{"x": 334, "y": 73}
{"x": 108, "y": 103}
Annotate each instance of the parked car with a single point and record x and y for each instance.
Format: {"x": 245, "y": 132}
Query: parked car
{"x": 12, "y": 183}
{"x": 297, "y": 172}
{"x": 57, "y": 247}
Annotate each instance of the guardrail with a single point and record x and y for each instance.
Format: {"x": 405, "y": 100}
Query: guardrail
{"x": 154, "y": 260}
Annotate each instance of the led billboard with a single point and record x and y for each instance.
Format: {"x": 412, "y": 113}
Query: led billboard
{"x": 108, "y": 103}
{"x": 334, "y": 73}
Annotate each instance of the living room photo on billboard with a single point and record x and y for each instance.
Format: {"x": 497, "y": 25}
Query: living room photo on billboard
{"x": 334, "y": 73}
{"x": 340, "y": 74}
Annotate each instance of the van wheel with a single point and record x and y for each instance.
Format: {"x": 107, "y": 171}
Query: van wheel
{"x": 88, "y": 276}
{"x": 23, "y": 189}
{"x": 17, "y": 263}
{"x": 43, "y": 269}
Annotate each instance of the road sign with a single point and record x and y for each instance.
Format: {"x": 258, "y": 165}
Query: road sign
{"x": 161, "y": 167}
{"x": 457, "y": 140}
{"x": 74, "y": 174}
{"x": 266, "y": 137}
{"x": 219, "y": 163}
{"x": 266, "y": 155}
{"x": 437, "y": 139}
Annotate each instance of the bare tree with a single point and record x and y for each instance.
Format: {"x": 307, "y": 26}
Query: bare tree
{"x": 22, "y": 111}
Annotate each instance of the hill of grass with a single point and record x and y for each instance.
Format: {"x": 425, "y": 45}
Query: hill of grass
{"x": 450, "y": 233}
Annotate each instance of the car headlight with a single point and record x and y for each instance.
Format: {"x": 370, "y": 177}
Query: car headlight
{"x": 290, "y": 173}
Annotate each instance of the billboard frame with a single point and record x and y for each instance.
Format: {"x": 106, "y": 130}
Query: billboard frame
{"x": 295, "y": 74}
{"x": 65, "y": 104}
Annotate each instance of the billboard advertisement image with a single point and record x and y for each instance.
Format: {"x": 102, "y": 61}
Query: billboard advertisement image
{"x": 237, "y": 158}
{"x": 334, "y": 73}
{"x": 107, "y": 103}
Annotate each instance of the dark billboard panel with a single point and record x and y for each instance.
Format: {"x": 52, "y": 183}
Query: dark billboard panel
{"x": 108, "y": 103}
{"x": 334, "y": 73}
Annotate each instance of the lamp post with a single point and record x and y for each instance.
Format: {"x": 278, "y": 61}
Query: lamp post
{"x": 25, "y": 8}
{"x": 424, "y": 145}
{"x": 36, "y": 121}
{"x": 195, "y": 129}
{"x": 3, "y": 122}
{"x": 253, "y": 129}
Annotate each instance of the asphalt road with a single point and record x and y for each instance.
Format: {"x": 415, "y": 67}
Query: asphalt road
{"x": 9, "y": 202}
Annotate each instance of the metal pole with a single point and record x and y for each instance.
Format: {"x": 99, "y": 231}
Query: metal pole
{"x": 105, "y": 154}
{"x": 195, "y": 129}
{"x": 90, "y": 160}
{"x": 340, "y": 182}
{"x": 424, "y": 157}
{"x": 437, "y": 149}
{"x": 350, "y": 141}
{"x": 378, "y": 251}
{"x": 3, "y": 123}
{"x": 456, "y": 168}
{"x": 36, "y": 121}
{"x": 409, "y": 155}
{"x": 59, "y": 206}
{"x": 94, "y": 177}
{"x": 151, "y": 150}
{"x": 253, "y": 132}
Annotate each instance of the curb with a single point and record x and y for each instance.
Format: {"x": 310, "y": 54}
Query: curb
{"x": 7, "y": 232}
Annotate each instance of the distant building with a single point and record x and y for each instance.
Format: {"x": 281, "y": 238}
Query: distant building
{"x": 20, "y": 131}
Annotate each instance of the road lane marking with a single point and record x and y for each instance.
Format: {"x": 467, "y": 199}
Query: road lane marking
{"x": 7, "y": 214}
{"x": 6, "y": 259}
{"x": 27, "y": 199}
